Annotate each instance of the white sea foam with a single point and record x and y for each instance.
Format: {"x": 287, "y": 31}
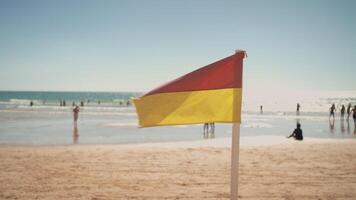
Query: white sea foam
{"x": 19, "y": 101}
{"x": 257, "y": 125}
{"x": 87, "y": 109}
{"x": 285, "y": 100}
{"x": 122, "y": 124}
{"x": 109, "y": 113}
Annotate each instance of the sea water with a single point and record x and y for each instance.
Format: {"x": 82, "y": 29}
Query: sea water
{"x": 110, "y": 118}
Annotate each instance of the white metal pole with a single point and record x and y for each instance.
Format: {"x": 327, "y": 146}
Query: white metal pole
{"x": 235, "y": 148}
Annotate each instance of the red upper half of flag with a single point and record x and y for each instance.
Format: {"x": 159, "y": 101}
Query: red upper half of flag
{"x": 225, "y": 73}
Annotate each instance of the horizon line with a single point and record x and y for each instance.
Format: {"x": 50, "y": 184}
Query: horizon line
{"x": 68, "y": 91}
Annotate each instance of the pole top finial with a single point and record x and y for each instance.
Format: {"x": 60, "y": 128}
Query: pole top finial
{"x": 241, "y": 51}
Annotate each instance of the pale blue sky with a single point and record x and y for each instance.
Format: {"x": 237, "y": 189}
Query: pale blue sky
{"x": 137, "y": 45}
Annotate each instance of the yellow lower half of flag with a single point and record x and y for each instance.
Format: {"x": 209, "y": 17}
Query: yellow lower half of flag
{"x": 193, "y": 107}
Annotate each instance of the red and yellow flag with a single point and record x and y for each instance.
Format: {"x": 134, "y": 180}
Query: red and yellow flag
{"x": 210, "y": 94}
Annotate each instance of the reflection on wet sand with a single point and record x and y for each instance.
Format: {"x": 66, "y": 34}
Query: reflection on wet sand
{"x": 342, "y": 125}
{"x": 75, "y": 135}
{"x": 209, "y": 135}
{"x": 332, "y": 125}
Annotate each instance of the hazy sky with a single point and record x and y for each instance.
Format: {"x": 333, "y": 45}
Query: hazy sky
{"x": 137, "y": 45}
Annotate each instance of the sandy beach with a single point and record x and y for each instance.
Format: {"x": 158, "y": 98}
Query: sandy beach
{"x": 312, "y": 169}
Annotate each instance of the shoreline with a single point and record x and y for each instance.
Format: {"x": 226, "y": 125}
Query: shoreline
{"x": 223, "y": 142}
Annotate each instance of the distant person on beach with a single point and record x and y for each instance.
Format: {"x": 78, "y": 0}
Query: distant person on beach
{"x": 354, "y": 114}
{"x": 332, "y": 111}
{"x": 209, "y": 133}
{"x": 342, "y": 111}
{"x": 261, "y": 109}
{"x": 212, "y": 127}
{"x": 298, "y": 108}
{"x": 82, "y": 103}
{"x": 297, "y": 133}
{"x": 64, "y": 103}
{"x": 73, "y": 103}
{"x": 348, "y": 111}
{"x": 75, "y": 114}
{"x": 31, "y": 103}
{"x": 206, "y": 128}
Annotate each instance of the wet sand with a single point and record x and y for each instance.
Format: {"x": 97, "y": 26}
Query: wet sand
{"x": 312, "y": 169}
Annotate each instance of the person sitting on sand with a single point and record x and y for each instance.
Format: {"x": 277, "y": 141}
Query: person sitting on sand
{"x": 76, "y": 113}
{"x": 297, "y": 133}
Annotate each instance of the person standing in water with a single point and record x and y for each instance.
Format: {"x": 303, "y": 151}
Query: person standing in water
{"x": 332, "y": 111}
{"x": 348, "y": 111}
{"x": 298, "y": 108}
{"x": 354, "y": 115}
{"x": 206, "y": 128}
{"x": 212, "y": 127}
{"x": 75, "y": 114}
{"x": 261, "y": 109}
{"x": 342, "y": 111}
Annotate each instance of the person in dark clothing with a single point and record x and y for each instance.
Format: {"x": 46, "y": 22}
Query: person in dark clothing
{"x": 354, "y": 115}
{"x": 332, "y": 111}
{"x": 206, "y": 127}
{"x": 212, "y": 127}
{"x": 342, "y": 111}
{"x": 297, "y": 133}
{"x": 348, "y": 111}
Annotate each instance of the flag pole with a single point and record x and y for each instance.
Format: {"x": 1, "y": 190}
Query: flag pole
{"x": 235, "y": 150}
{"x": 235, "y": 147}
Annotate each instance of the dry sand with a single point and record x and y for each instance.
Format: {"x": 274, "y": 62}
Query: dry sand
{"x": 296, "y": 170}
